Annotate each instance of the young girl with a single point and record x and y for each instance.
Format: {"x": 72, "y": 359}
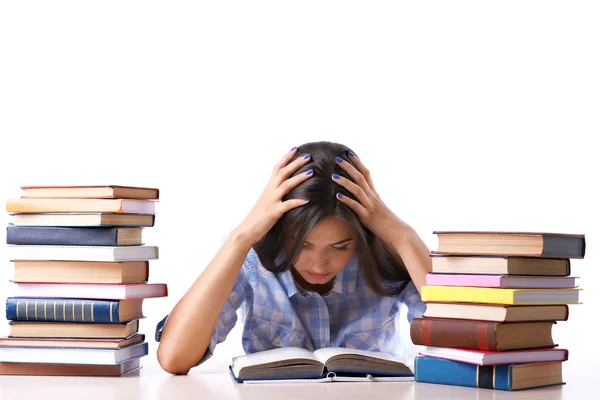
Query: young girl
{"x": 320, "y": 261}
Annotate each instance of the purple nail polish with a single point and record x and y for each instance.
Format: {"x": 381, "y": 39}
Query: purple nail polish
{"x": 338, "y": 159}
{"x": 339, "y": 195}
{"x": 351, "y": 154}
{"x": 306, "y": 156}
{"x": 310, "y": 171}
{"x": 293, "y": 148}
{"x": 335, "y": 176}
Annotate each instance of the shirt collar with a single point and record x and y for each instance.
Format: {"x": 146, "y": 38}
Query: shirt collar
{"x": 344, "y": 282}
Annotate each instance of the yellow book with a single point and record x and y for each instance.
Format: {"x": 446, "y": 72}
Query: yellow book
{"x": 486, "y": 295}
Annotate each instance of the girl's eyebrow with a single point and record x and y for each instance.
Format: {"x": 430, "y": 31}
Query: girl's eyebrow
{"x": 336, "y": 243}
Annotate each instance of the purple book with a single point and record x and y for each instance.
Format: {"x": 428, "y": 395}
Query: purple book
{"x": 501, "y": 281}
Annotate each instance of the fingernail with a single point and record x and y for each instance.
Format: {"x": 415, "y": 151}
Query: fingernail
{"x": 310, "y": 171}
{"x": 335, "y": 176}
{"x": 339, "y": 195}
{"x": 338, "y": 159}
{"x": 306, "y": 156}
{"x": 293, "y": 148}
{"x": 351, "y": 154}
{"x": 306, "y": 200}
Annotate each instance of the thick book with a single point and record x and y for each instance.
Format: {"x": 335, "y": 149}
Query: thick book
{"x": 481, "y": 335}
{"x": 82, "y": 253}
{"x": 50, "y": 355}
{"x": 33, "y": 329}
{"x": 72, "y": 343}
{"x": 47, "y": 205}
{"x": 73, "y": 236}
{"x": 72, "y": 310}
{"x": 501, "y": 281}
{"x": 291, "y": 364}
{"x": 530, "y": 244}
{"x": 467, "y": 294}
{"x": 497, "y": 312}
{"x": 90, "y": 191}
{"x": 57, "y": 271}
{"x": 482, "y": 357}
{"x": 499, "y": 264}
{"x": 500, "y": 377}
{"x": 87, "y": 291}
{"x": 42, "y": 369}
{"x": 81, "y": 219}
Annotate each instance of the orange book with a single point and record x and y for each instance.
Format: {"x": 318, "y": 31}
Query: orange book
{"x": 47, "y": 205}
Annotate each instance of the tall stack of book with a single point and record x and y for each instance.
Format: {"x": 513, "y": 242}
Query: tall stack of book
{"x": 80, "y": 275}
{"x": 492, "y": 299}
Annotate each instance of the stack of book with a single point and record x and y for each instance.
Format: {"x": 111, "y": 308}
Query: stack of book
{"x": 492, "y": 299}
{"x": 80, "y": 276}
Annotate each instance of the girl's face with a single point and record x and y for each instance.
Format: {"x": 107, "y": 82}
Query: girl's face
{"x": 327, "y": 249}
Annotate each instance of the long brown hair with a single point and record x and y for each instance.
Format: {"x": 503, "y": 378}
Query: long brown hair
{"x": 380, "y": 264}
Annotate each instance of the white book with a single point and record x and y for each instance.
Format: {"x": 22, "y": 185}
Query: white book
{"x": 82, "y": 253}
{"x": 89, "y": 290}
{"x": 293, "y": 364}
{"x": 72, "y": 356}
{"x": 480, "y": 357}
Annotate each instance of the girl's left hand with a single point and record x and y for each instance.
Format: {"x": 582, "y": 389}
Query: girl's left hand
{"x": 371, "y": 210}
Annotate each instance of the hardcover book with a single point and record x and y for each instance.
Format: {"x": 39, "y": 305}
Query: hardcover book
{"x": 500, "y": 377}
{"x": 73, "y": 236}
{"x": 531, "y": 244}
{"x": 90, "y": 191}
{"x": 93, "y": 311}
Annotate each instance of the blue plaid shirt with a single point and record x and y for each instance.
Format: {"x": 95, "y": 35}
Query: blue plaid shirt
{"x": 277, "y": 313}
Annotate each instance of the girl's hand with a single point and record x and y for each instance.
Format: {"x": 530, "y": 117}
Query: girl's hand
{"x": 371, "y": 210}
{"x": 270, "y": 207}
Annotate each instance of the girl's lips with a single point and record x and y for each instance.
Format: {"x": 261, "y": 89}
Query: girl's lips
{"x": 318, "y": 277}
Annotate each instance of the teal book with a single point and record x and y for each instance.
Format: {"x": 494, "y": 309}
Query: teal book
{"x": 500, "y": 377}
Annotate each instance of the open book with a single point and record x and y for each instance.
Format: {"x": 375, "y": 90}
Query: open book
{"x": 324, "y": 365}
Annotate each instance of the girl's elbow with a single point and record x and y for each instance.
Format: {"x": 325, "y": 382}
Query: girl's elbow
{"x": 170, "y": 362}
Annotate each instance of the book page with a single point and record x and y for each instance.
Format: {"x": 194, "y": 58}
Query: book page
{"x": 325, "y": 354}
{"x": 273, "y": 355}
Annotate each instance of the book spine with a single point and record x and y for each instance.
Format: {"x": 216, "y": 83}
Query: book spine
{"x": 46, "y": 235}
{"x": 464, "y": 334}
{"x": 559, "y": 246}
{"x": 456, "y": 373}
{"x": 62, "y": 310}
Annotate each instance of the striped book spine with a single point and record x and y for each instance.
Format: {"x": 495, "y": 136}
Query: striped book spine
{"x": 62, "y": 310}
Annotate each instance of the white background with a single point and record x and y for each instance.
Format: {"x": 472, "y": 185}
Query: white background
{"x": 470, "y": 115}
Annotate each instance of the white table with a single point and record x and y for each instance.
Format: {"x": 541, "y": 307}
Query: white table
{"x": 214, "y": 383}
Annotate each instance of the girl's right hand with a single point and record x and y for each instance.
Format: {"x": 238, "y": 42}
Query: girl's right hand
{"x": 270, "y": 207}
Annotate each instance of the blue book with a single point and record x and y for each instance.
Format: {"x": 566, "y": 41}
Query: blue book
{"x": 73, "y": 236}
{"x": 73, "y": 310}
{"x": 500, "y": 377}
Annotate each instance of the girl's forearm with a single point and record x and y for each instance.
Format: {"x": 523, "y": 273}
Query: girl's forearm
{"x": 189, "y": 327}
{"x": 414, "y": 253}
